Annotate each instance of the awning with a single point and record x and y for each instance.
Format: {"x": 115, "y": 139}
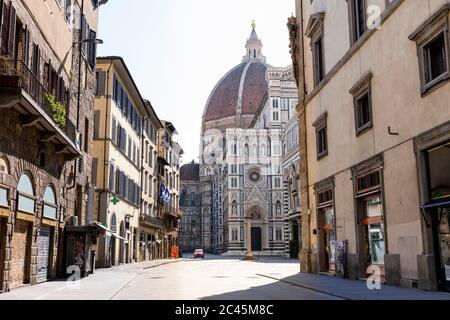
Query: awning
{"x": 435, "y": 204}
{"x": 115, "y": 235}
{"x": 101, "y": 226}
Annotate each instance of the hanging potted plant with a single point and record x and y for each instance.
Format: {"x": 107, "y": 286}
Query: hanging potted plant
{"x": 9, "y": 76}
{"x": 58, "y": 110}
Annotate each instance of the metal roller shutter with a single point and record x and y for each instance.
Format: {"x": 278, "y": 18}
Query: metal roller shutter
{"x": 43, "y": 253}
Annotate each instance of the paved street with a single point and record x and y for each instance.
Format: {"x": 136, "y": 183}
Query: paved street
{"x": 213, "y": 278}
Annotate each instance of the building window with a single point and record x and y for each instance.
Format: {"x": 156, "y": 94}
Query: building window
{"x": 277, "y": 182}
{"x": 234, "y": 234}
{"x": 357, "y": 14}
{"x": 432, "y": 40}
{"x": 318, "y": 61}
{"x": 362, "y": 100}
{"x": 278, "y": 234}
{"x": 321, "y": 136}
{"x": 276, "y": 116}
{"x": 315, "y": 31}
{"x": 50, "y": 208}
{"x": 26, "y": 199}
{"x": 234, "y": 182}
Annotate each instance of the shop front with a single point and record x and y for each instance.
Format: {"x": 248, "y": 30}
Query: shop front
{"x": 438, "y": 209}
{"x": 326, "y": 223}
{"x": 432, "y": 150}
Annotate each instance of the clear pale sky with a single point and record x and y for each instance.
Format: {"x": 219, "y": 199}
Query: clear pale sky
{"x": 177, "y": 50}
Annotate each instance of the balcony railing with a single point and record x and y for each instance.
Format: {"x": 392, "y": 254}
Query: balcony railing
{"x": 172, "y": 211}
{"x": 151, "y": 221}
{"x": 19, "y": 76}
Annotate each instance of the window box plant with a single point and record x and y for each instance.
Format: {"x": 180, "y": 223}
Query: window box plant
{"x": 8, "y": 75}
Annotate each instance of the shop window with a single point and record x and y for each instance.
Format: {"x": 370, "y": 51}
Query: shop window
{"x": 439, "y": 172}
{"x": 432, "y": 40}
{"x": 26, "y": 197}
{"x": 50, "y": 208}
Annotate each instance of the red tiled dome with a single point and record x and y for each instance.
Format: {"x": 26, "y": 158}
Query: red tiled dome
{"x": 190, "y": 172}
{"x": 224, "y": 101}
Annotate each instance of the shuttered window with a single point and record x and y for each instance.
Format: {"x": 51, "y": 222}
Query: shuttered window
{"x": 111, "y": 177}
{"x": 96, "y": 124}
{"x": 4, "y": 26}
{"x": 114, "y": 130}
{"x": 12, "y": 31}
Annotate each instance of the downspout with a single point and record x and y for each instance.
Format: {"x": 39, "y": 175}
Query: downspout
{"x": 80, "y": 39}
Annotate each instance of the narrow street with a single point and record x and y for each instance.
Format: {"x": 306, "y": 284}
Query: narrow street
{"x": 215, "y": 278}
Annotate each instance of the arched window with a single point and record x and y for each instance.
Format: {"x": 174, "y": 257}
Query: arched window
{"x": 246, "y": 150}
{"x": 4, "y": 166}
{"x": 50, "y": 207}
{"x": 26, "y": 200}
{"x": 113, "y": 223}
{"x": 4, "y": 192}
{"x": 254, "y": 53}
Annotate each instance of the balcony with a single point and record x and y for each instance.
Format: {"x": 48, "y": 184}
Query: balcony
{"x": 171, "y": 212}
{"x": 21, "y": 90}
{"x": 151, "y": 221}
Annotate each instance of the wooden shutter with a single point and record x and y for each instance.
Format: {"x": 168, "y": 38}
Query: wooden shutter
{"x": 4, "y": 27}
{"x": 101, "y": 79}
{"x": 96, "y": 124}
{"x": 111, "y": 177}
{"x": 12, "y": 32}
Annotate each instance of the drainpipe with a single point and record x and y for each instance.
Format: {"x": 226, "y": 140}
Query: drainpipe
{"x": 80, "y": 37}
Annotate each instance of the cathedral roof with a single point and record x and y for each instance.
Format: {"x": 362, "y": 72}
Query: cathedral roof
{"x": 242, "y": 90}
{"x": 190, "y": 172}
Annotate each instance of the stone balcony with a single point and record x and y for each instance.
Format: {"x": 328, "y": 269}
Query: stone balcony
{"x": 21, "y": 90}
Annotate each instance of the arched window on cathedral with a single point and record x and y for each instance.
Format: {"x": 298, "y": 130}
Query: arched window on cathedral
{"x": 254, "y": 53}
{"x": 246, "y": 149}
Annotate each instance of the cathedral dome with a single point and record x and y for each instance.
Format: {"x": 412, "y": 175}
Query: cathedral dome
{"x": 190, "y": 172}
{"x": 242, "y": 90}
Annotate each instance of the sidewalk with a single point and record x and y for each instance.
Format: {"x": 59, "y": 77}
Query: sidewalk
{"x": 104, "y": 284}
{"x": 357, "y": 289}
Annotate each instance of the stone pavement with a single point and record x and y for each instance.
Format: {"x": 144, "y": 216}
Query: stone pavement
{"x": 356, "y": 289}
{"x": 213, "y": 278}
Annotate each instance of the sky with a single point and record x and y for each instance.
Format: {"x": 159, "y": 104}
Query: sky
{"x": 177, "y": 50}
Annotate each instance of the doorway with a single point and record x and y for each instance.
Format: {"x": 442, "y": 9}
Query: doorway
{"x": 256, "y": 239}
{"x": 441, "y": 237}
{"x": 328, "y": 239}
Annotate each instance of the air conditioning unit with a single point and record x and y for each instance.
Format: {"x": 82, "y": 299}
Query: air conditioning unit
{"x": 73, "y": 222}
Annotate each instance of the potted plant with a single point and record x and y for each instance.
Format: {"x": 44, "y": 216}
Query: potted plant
{"x": 57, "y": 109}
{"x": 8, "y": 74}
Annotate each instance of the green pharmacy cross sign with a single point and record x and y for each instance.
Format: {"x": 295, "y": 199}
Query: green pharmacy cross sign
{"x": 114, "y": 200}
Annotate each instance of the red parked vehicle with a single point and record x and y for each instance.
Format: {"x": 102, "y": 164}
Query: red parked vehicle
{"x": 198, "y": 253}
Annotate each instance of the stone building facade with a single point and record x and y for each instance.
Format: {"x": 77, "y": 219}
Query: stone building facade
{"x": 119, "y": 111}
{"x": 149, "y": 225}
{"x": 241, "y": 156}
{"x": 190, "y": 233}
{"x": 38, "y": 150}
{"x": 374, "y": 125}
